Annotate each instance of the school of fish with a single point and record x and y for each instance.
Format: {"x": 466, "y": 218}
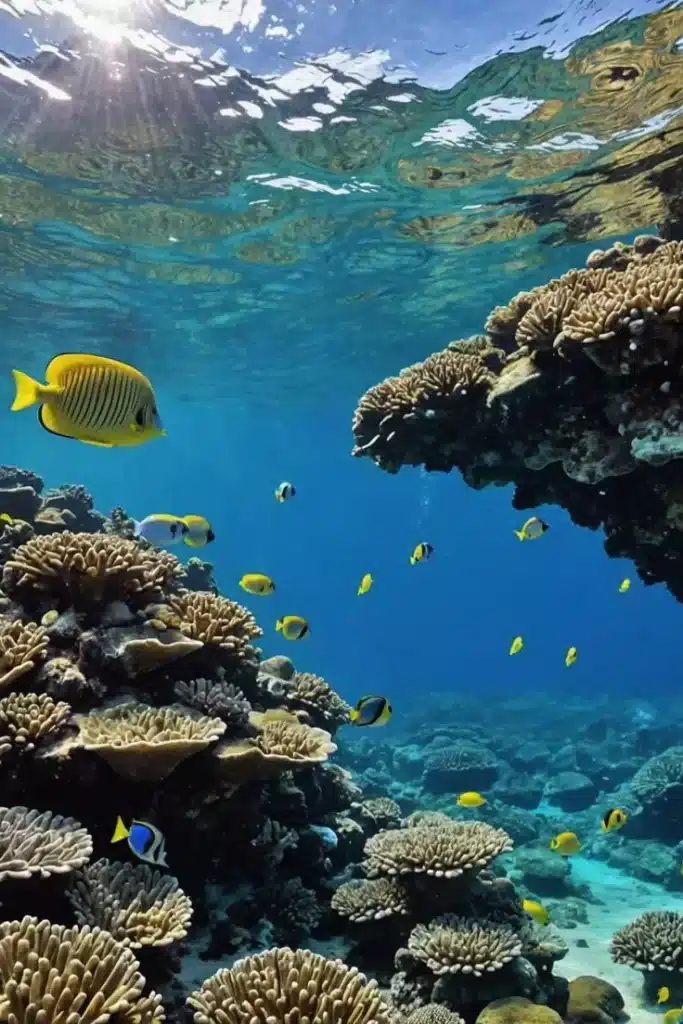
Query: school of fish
{"x": 104, "y": 402}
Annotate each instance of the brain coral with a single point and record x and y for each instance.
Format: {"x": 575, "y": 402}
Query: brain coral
{"x": 462, "y": 766}
{"x": 653, "y": 940}
{"x": 288, "y": 986}
{"x": 89, "y": 567}
{"x": 517, "y": 1011}
{"x": 43, "y": 844}
{"x": 52, "y": 974}
{"x": 451, "y": 944}
{"x": 445, "y": 851}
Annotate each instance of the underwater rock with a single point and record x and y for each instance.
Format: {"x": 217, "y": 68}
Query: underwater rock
{"x": 19, "y": 502}
{"x": 571, "y": 791}
{"x": 543, "y": 872}
{"x": 524, "y": 791}
{"x": 593, "y": 1001}
{"x": 531, "y": 756}
{"x": 459, "y": 767}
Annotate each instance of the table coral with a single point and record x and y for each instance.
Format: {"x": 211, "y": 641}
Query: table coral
{"x": 450, "y": 944}
{"x": 286, "y": 985}
{"x": 137, "y": 905}
{"x": 585, "y": 409}
{"x": 43, "y": 844}
{"x": 281, "y": 744}
{"x": 445, "y": 851}
{"x": 141, "y": 742}
{"x": 76, "y": 974}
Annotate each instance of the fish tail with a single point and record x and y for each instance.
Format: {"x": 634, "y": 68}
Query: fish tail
{"x": 120, "y": 831}
{"x": 137, "y": 528}
{"x": 28, "y": 391}
{"x": 413, "y": 560}
{"x": 353, "y": 715}
{"x": 519, "y": 534}
{"x": 279, "y": 625}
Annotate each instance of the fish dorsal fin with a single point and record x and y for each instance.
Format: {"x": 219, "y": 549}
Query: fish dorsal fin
{"x": 65, "y": 361}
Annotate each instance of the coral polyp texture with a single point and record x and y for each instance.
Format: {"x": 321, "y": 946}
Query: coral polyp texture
{"x": 84, "y": 567}
{"x": 289, "y": 986}
{"x": 445, "y": 851}
{"x": 282, "y": 744}
{"x": 653, "y": 941}
{"x": 22, "y": 647}
{"x": 574, "y": 396}
{"x": 215, "y": 621}
{"x": 317, "y": 697}
{"x": 28, "y": 718}
{"x": 134, "y": 903}
{"x": 451, "y": 944}
{"x": 370, "y": 899}
{"x": 42, "y": 844}
{"x": 145, "y": 743}
{"x": 75, "y": 974}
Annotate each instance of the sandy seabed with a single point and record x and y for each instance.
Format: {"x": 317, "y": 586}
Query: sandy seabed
{"x": 623, "y": 899}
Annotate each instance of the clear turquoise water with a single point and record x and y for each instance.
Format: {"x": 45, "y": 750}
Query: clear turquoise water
{"x": 262, "y": 232}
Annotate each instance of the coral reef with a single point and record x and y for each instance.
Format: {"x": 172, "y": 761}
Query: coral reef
{"x": 583, "y": 408}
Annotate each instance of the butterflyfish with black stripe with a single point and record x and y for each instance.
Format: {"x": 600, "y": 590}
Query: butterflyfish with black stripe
{"x": 92, "y": 399}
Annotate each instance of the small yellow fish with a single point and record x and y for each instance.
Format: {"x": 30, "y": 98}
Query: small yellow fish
{"x": 516, "y": 645}
{"x": 624, "y": 585}
{"x": 566, "y": 843}
{"x": 257, "y": 583}
{"x": 571, "y": 656}
{"x": 284, "y": 491}
{"x": 92, "y": 398}
{"x": 613, "y": 819}
{"x": 663, "y": 995}
{"x": 471, "y": 800}
{"x": 421, "y": 552}
{"x": 365, "y": 584}
{"x": 537, "y": 911}
{"x": 198, "y": 532}
{"x": 372, "y": 710}
{"x": 673, "y": 1016}
{"x": 532, "y": 529}
{"x": 49, "y": 618}
{"x": 292, "y": 627}
{"x": 6, "y": 518}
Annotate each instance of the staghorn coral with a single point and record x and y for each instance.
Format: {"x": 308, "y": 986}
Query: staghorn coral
{"x": 445, "y": 851}
{"x": 315, "y": 695}
{"x": 136, "y": 904}
{"x": 144, "y": 743}
{"x": 50, "y": 973}
{"x": 43, "y": 844}
{"x": 216, "y": 621}
{"x": 222, "y": 700}
{"x": 28, "y": 718}
{"x": 288, "y": 986}
{"x": 282, "y": 744}
{"x": 22, "y": 645}
{"x": 653, "y": 941}
{"x": 450, "y": 944}
{"x": 87, "y": 568}
{"x": 370, "y": 900}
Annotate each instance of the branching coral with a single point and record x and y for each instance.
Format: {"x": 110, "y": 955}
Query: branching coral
{"x": 136, "y": 904}
{"x": 282, "y": 744}
{"x": 370, "y": 900}
{"x": 50, "y": 973}
{"x": 215, "y": 621}
{"x": 288, "y": 986}
{"x": 445, "y": 851}
{"x": 28, "y": 718}
{"x": 384, "y": 811}
{"x": 141, "y": 742}
{"x": 451, "y": 944}
{"x": 43, "y": 844}
{"x": 222, "y": 700}
{"x": 22, "y": 645}
{"x": 653, "y": 940}
{"x": 88, "y": 567}
{"x": 316, "y": 696}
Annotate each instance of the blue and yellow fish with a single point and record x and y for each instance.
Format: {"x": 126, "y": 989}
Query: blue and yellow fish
{"x": 144, "y": 840}
{"x": 421, "y": 552}
{"x": 372, "y": 710}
